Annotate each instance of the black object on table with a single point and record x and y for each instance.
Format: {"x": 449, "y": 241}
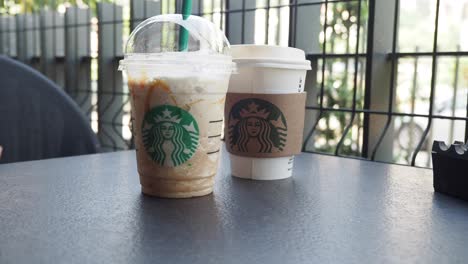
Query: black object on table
{"x": 89, "y": 209}
{"x": 451, "y": 168}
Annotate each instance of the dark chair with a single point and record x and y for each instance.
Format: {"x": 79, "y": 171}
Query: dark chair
{"x": 37, "y": 119}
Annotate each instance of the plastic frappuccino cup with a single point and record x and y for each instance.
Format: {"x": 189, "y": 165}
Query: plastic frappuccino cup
{"x": 265, "y": 111}
{"x": 177, "y": 100}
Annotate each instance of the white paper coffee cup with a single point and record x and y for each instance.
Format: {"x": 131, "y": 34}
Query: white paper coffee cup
{"x": 266, "y": 70}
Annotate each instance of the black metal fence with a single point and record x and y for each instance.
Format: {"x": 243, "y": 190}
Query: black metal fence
{"x": 374, "y": 87}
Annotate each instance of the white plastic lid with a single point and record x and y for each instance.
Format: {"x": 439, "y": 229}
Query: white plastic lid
{"x": 154, "y": 44}
{"x": 269, "y": 56}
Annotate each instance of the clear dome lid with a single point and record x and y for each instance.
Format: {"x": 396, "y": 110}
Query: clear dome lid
{"x": 193, "y": 44}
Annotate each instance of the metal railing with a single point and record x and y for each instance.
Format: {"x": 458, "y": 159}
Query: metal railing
{"x": 354, "y": 105}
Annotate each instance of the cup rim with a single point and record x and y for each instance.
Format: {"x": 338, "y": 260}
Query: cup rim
{"x": 184, "y": 62}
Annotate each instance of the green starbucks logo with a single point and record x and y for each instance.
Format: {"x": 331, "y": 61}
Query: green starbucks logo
{"x": 256, "y": 126}
{"x": 170, "y": 135}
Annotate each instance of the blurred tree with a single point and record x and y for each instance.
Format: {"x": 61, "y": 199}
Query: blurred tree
{"x": 339, "y": 78}
{"x": 28, "y": 6}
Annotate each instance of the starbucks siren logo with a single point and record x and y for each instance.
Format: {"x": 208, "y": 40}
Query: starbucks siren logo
{"x": 256, "y": 126}
{"x": 170, "y": 135}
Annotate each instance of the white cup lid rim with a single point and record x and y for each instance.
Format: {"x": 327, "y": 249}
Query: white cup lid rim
{"x": 251, "y": 51}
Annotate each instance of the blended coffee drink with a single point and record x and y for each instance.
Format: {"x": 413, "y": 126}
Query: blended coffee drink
{"x": 177, "y": 101}
{"x": 177, "y": 135}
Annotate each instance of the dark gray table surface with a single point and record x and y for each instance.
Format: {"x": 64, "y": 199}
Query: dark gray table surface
{"x": 89, "y": 209}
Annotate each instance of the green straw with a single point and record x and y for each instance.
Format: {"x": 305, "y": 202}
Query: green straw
{"x": 184, "y": 34}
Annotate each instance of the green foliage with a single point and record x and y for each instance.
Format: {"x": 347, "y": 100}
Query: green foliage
{"x": 339, "y": 85}
{"x": 29, "y": 6}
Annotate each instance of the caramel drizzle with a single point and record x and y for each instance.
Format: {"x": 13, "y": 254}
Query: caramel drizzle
{"x": 155, "y": 84}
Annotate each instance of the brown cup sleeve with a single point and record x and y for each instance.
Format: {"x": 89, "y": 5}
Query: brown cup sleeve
{"x": 264, "y": 125}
